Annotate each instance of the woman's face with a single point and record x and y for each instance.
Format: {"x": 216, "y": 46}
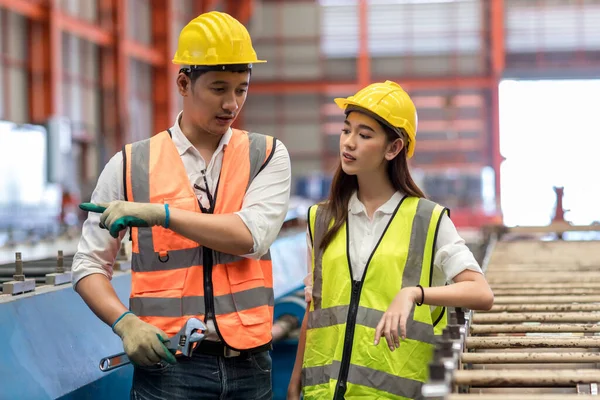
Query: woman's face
{"x": 364, "y": 147}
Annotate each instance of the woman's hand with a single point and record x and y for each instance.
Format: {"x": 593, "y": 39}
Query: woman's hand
{"x": 397, "y": 315}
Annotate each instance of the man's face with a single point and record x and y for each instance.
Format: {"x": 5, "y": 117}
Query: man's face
{"x": 214, "y": 100}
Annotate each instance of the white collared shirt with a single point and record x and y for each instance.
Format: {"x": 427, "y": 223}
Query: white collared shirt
{"x": 452, "y": 256}
{"x": 263, "y": 210}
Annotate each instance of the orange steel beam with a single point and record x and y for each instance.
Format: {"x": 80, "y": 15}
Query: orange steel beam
{"x": 26, "y": 8}
{"x": 85, "y": 30}
{"x": 328, "y": 87}
{"x": 497, "y": 37}
{"x": 45, "y": 68}
{"x": 363, "y": 61}
{"x": 163, "y": 98}
{"x": 497, "y": 41}
{"x": 143, "y": 53}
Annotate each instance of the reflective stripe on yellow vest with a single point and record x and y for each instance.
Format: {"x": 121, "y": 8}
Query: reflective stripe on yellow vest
{"x": 340, "y": 359}
{"x": 175, "y": 278}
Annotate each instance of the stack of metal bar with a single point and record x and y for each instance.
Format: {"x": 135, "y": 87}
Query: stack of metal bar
{"x": 539, "y": 341}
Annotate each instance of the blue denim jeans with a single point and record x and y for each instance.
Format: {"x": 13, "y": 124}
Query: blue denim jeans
{"x": 206, "y": 377}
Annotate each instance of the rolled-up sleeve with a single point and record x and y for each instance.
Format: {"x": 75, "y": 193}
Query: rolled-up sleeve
{"x": 266, "y": 202}
{"x": 452, "y": 254}
{"x": 97, "y": 249}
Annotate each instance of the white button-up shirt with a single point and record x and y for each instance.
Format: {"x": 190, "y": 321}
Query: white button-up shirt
{"x": 263, "y": 210}
{"x": 452, "y": 256}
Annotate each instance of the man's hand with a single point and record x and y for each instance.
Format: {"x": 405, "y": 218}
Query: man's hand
{"x": 397, "y": 315}
{"x": 118, "y": 215}
{"x": 143, "y": 342}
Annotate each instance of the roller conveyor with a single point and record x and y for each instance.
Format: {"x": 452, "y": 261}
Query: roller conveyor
{"x": 540, "y": 340}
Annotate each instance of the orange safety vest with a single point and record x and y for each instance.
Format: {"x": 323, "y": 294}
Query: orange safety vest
{"x": 174, "y": 278}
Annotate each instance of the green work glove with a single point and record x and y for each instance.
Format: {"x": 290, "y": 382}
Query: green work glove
{"x": 118, "y": 215}
{"x": 142, "y": 342}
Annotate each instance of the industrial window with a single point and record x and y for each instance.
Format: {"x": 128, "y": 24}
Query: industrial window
{"x": 139, "y": 21}
{"x": 140, "y": 101}
{"x": 183, "y": 12}
{"x": 402, "y": 27}
{"x": 13, "y": 68}
{"x": 83, "y": 10}
{"x": 552, "y": 25}
{"x": 81, "y": 100}
{"x": 80, "y": 86}
{"x": 553, "y": 34}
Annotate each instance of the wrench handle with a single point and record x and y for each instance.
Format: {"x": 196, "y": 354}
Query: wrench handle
{"x": 114, "y": 361}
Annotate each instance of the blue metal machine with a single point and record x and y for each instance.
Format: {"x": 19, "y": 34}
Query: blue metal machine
{"x": 51, "y": 343}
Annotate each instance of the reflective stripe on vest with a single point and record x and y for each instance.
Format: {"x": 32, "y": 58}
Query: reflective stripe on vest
{"x": 168, "y": 282}
{"x": 403, "y": 257}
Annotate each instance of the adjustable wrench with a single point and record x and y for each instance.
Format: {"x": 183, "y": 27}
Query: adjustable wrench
{"x": 191, "y": 332}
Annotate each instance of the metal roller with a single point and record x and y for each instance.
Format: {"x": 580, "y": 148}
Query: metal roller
{"x": 546, "y": 299}
{"x": 552, "y": 291}
{"x": 541, "y": 308}
{"x": 542, "y": 328}
{"x": 589, "y": 317}
{"x": 530, "y": 358}
{"x": 525, "y": 377}
{"x": 509, "y": 396}
{"x": 515, "y": 268}
{"x": 542, "y": 277}
{"x": 500, "y": 342}
{"x": 595, "y": 285}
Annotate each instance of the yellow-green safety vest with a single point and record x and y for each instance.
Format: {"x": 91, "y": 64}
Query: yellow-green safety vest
{"x": 340, "y": 358}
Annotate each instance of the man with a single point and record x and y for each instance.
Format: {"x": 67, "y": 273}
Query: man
{"x": 203, "y": 202}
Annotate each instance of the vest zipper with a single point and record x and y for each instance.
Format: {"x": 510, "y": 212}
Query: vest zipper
{"x": 340, "y": 389}
{"x": 209, "y": 301}
{"x": 207, "y": 264}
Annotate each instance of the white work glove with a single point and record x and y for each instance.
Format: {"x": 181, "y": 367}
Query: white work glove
{"x": 118, "y": 215}
{"x": 141, "y": 341}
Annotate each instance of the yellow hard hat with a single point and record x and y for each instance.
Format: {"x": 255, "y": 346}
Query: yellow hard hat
{"x": 215, "y": 39}
{"x": 390, "y": 103}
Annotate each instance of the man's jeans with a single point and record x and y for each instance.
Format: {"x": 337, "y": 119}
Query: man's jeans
{"x": 206, "y": 377}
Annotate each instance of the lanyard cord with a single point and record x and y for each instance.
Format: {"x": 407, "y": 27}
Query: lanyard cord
{"x": 207, "y": 191}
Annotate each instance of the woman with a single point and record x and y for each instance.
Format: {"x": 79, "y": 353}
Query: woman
{"x": 381, "y": 256}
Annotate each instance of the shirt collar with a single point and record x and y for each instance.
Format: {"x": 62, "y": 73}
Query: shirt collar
{"x": 183, "y": 144}
{"x": 356, "y": 207}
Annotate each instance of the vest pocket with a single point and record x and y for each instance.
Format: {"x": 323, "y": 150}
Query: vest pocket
{"x": 243, "y": 273}
{"x": 255, "y": 316}
{"x": 161, "y": 284}
{"x": 250, "y": 296}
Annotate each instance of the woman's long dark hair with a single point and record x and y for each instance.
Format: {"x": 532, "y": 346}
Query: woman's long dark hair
{"x": 344, "y": 185}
